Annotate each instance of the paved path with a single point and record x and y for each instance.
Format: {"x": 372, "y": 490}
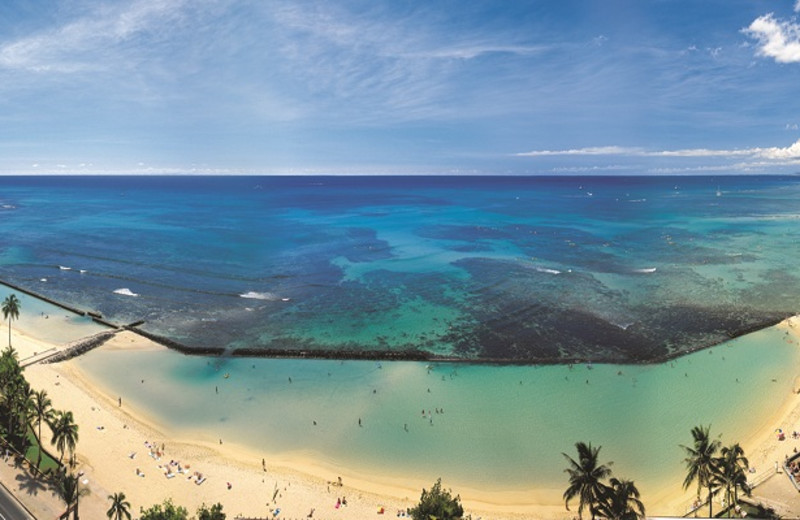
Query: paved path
{"x": 36, "y": 496}
{"x": 10, "y": 508}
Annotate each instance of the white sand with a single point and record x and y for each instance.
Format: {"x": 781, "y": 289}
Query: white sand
{"x": 110, "y": 433}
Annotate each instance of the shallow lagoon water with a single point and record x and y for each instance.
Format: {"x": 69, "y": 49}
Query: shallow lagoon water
{"x": 502, "y": 428}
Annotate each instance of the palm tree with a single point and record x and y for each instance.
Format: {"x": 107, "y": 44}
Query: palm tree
{"x": 68, "y": 489}
{"x": 584, "y": 478}
{"x": 65, "y": 433}
{"x": 621, "y": 501}
{"x": 700, "y": 462}
{"x": 11, "y": 307}
{"x": 42, "y": 413}
{"x": 731, "y": 474}
{"x": 120, "y": 508}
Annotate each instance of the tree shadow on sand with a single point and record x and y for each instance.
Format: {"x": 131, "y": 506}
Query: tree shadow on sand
{"x": 32, "y": 484}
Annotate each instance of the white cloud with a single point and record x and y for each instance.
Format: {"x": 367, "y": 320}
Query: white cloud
{"x": 792, "y": 126}
{"x": 773, "y": 153}
{"x": 797, "y": 6}
{"x": 777, "y": 39}
{"x": 474, "y": 50}
{"x": 593, "y": 150}
{"x": 73, "y": 46}
{"x": 699, "y": 152}
{"x": 779, "y": 154}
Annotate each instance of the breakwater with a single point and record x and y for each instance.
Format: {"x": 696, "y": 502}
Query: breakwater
{"x": 80, "y": 347}
{"x": 295, "y": 351}
{"x": 95, "y": 316}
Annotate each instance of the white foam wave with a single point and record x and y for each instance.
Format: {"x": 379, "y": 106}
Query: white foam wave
{"x": 260, "y": 296}
{"x": 64, "y": 268}
{"x": 646, "y": 270}
{"x": 125, "y": 292}
{"x": 548, "y": 271}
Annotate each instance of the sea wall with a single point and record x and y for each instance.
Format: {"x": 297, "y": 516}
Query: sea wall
{"x": 303, "y": 352}
{"x": 81, "y": 347}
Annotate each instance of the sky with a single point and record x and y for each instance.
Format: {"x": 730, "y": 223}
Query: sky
{"x": 540, "y": 87}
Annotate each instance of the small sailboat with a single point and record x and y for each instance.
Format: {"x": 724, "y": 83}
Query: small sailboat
{"x": 719, "y": 192}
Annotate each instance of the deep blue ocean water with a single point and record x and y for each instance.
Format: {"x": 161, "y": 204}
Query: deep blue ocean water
{"x": 531, "y": 268}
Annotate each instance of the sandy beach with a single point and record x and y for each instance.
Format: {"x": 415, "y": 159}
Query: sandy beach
{"x": 125, "y": 449}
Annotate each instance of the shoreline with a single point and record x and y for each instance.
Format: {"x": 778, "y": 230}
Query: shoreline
{"x": 305, "y": 481}
{"x": 103, "y": 455}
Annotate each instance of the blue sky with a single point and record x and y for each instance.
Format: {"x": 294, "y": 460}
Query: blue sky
{"x": 403, "y": 87}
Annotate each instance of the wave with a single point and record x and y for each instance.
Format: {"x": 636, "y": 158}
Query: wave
{"x": 646, "y": 270}
{"x": 268, "y": 296}
{"x": 64, "y": 268}
{"x": 546, "y": 270}
{"x": 125, "y": 292}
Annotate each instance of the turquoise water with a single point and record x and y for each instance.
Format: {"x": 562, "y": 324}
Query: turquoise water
{"x": 617, "y": 269}
{"x": 48, "y": 322}
{"x": 502, "y": 428}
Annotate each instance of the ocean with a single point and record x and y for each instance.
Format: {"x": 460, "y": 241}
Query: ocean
{"x": 611, "y": 277}
{"x": 618, "y": 269}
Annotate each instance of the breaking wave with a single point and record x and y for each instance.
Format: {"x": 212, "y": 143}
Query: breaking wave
{"x": 125, "y": 292}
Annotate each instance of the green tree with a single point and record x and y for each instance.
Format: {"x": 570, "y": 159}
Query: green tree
{"x": 165, "y": 511}
{"x": 620, "y": 501}
{"x": 437, "y": 504}
{"x": 65, "y": 433}
{"x": 20, "y": 410}
{"x": 210, "y": 513}
{"x": 11, "y": 307}
{"x": 585, "y": 477}
{"x": 120, "y": 508}
{"x": 701, "y": 463}
{"x": 68, "y": 489}
{"x": 42, "y": 413}
{"x": 14, "y": 395}
{"x": 731, "y": 474}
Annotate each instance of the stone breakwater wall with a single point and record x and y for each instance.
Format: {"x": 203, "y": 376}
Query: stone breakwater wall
{"x": 80, "y": 347}
{"x": 44, "y": 298}
{"x": 174, "y": 345}
{"x": 370, "y": 355}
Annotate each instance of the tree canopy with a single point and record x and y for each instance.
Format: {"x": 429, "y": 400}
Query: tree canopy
{"x": 437, "y": 503}
{"x": 165, "y": 511}
{"x": 214, "y": 512}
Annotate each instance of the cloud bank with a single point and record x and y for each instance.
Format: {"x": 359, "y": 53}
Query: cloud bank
{"x": 761, "y": 157}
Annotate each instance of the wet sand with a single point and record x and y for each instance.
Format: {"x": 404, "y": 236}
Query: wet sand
{"x": 110, "y": 433}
